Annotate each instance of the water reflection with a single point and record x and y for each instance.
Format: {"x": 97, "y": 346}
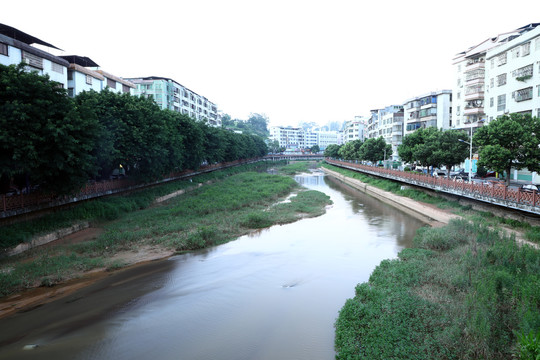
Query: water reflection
{"x": 271, "y": 296}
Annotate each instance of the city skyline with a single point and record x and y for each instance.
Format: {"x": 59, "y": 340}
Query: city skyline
{"x": 295, "y": 61}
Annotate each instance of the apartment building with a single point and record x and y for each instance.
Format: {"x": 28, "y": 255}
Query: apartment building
{"x": 390, "y": 127}
{"x": 470, "y": 90}
{"x": 355, "y": 129}
{"x": 169, "y": 94}
{"x": 513, "y": 75}
{"x": 433, "y": 109}
{"x": 84, "y": 75}
{"x": 296, "y": 138}
{"x": 17, "y": 46}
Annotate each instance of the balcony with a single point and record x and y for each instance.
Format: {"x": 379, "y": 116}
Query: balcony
{"x": 475, "y": 65}
{"x": 473, "y": 111}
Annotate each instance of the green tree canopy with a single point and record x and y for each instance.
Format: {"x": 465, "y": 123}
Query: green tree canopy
{"x": 43, "y": 136}
{"x": 332, "y": 151}
{"x": 375, "y": 149}
{"x": 315, "y": 149}
{"x": 350, "y": 150}
{"x": 509, "y": 142}
{"x": 449, "y": 151}
{"x": 420, "y": 147}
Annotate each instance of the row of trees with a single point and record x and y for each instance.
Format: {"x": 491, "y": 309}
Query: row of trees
{"x": 373, "y": 149}
{"x": 60, "y": 143}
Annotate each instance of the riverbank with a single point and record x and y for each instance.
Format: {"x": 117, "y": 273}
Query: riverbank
{"x": 207, "y": 216}
{"x": 466, "y": 290}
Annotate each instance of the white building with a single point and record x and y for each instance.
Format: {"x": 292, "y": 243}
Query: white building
{"x": 296, "y": 138}
{"x": 16, "y": 47}
{"x": 355, "y": 129}
{"x": 513, "y": 75}
{"x": 169, "y": 94}
{"x": 433, "y": 109}
{"x": 472, "y": 85}
{"x": 390, "y": 127}
{"x": 116, "y": 84}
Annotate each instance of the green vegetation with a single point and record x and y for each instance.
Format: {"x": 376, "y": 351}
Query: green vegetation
{"x": 57, "y": 143}
{"x": 463, "y": 292}
{"x": 206, "y": 216}
{"x": 97, "y": 211}
{"x": 509, "y": 142}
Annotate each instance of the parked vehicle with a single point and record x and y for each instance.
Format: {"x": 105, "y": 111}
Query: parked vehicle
{"x": 529, "y": 188}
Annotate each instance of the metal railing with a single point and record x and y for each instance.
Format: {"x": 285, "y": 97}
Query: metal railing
{"x": 492, "y": 192}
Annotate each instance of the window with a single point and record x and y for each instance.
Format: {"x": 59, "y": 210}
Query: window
{"x": 501, "y": 102}
{"x": 32, "y": 60}
{"x": 70, "y": 92}
{"x": 537, "y": 44}
{"x": 491, "y": 82}
{"x": 526, "y": 49}
{"x": 70, "y": 74}
{"x": 501, "y": 80}
{"x": 492, "y": 63}
{"x": 524, "y": 71}
{"x": 3, "y": 49}
{"x": 515, "y": 52}
{"x": 125, "y": 88}
{"x": 458, "y": 110}
{"x": 523, "y": 94}
{"x": 501, "y": 59}
{"x": 491, "y": 102}
{"x": 88, "y": 79}
{"x": 111, "y": 83}
{"x": 57, "y": 68}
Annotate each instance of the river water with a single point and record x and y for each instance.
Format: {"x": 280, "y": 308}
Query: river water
{"x": 271, "y": 295}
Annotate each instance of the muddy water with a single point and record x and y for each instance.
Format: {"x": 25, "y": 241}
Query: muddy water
{"x": 272, "y": 295}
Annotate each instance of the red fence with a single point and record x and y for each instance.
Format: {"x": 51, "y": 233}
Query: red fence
{"x": 22, "y": 203}
{"x": 493, "y": 192}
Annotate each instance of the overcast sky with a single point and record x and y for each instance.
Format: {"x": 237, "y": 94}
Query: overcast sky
{"x": 292, "y": 60}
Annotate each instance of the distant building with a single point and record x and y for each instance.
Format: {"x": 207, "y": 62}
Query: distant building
{"x": 16, "y": 47}
{"x": 388, "y": 124}
{"x": 355, "y": 129}
{"x": 513, "y": 75}
{"x": 169, "y": 94}
{"x": 297, "y": 139}
{"x": 433, "y": 109}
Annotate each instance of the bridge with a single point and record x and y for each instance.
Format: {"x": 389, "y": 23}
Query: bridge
{"x": 294, "y": 157}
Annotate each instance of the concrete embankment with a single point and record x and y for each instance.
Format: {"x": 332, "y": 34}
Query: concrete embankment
{"x": 424, "y": 212}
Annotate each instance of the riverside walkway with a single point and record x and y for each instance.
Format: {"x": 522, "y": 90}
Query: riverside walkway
{"x": 493, "y": 193}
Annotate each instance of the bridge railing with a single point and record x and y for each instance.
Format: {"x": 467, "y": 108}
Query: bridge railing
{"x": 488, "y": 191}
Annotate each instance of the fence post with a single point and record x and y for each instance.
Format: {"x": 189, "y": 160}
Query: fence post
{"x": 534, "y": 198}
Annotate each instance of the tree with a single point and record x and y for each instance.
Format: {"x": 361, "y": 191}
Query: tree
{"x": 509, "y": 142}
{"x": 350, "y": 150}
{"x": 420, "y": 146}
{"x": 44, "y": 137}
{"x": 258, "y": 124}
{"x": 449, "y": 150}
{"x": 315, "y": 149}
{"x": 332, "y": 151}
{"x": 273, "y": 146}
{"x": 375, "y": 149}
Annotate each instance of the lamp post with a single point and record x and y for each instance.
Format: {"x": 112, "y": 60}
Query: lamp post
{"x": 470, "y": 154}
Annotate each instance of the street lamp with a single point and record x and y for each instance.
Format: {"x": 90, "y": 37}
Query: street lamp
{"x": 470, "y": 154}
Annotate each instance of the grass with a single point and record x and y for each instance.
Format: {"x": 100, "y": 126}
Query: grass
{"x": 107, "y": 208}
{"x": 206, "y": 216}
{"x": 463, "y": 292}
{"x": 298, "y": 167}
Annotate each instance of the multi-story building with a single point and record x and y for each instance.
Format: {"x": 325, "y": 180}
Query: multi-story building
{"x": 469, "y": 108}
{"x": 391, "y": 127}
{"x": 296, "y": 138}
{"x": 291, "y": 138}
{"x": 16, "y": 47}
{"x": 429, "y": 110}
{"x": 513, "y": 75}
{"x": 169, "y": 94}
{"x": 84, "y": 75}
{"x": 355, "y": 129}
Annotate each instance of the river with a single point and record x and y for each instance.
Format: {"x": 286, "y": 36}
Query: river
{"x": 274, "y": 294}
